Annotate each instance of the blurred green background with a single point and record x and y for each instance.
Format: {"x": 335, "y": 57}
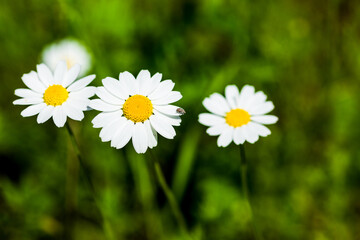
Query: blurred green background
{"x": 303, "y": 179}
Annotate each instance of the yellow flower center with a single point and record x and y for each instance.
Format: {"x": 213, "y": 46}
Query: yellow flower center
{"x": 237, "y": 117}
{"x": 55, "y": 95}
{"x": 137, "y": 108}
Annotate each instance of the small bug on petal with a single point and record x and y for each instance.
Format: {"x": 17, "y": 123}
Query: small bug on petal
{"x": 180, "y": 111}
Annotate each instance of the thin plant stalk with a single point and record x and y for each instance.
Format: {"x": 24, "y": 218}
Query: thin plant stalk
{"x": 72, "y": 172}
{"x": 145, "y": 191}
{"x": 169, "y": 195}
{"x": 244, "y": 184}
{"x": 106, "y": 224}
{"x": 79, "y": 157}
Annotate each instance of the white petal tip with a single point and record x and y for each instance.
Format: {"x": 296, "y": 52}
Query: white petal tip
{"x": 24, "y": 115}
{"x": 92, "y": 76}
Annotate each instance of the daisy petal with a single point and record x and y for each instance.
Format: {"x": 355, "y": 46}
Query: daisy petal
{"x": 167, "y": 109}
{"x": 173, "y": 96}
{"x": 261, "y": 109}
{"x": 27, "y": 93}
{"x": 250, "y": 135}
{"x": 81, "y": 83}
{"x": 60, "y": 72}
{"x": 107, "y": 133}
{"x": 225, "y": 137}
{"x": 45, "y": 114}
{"x": 123, "y": 136}
{"x": 84, "y": 93}
{"x": 155, "y": 81}
{"x": 216, "y": 129}
{"x": 219, "y": 102}
{"x": 209, "y": 119}
{"x": 45, "y": 75}
{"x": 32, "y": 81}
{"x": 259, "y": 129}
{"x": 258, "y": 98}
{"x": 28, "y": 101}
{"x": 144, "y": 80}
{"x": 102, "y": 93}
{"x": 116, "y": 87}
{"x": 173, "y": 120}
{"x": 72, "y": 112}
{"x": 71, "y": 75}
{"x": 59, "y": 116}
{"x": 32, "y": 110}
{"x": 162, "y": 127}
{"x": 162, "y": 90}
{"x": 103, "y": 119}
{"x": 265, "y": 119}
{"x": 151, "y": 135}
{"x": 79, "y": 103}
{"x": 214, "y": 107}
{"x": 246, "y": 94}
{"x": 232, "y": 95}
{"x": 129, "y": 80}
{"x": 139, "y": 138}
{"x": 239, "y": 136}
{"x": 100, "y": 105}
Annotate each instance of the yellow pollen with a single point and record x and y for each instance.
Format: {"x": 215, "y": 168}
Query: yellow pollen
{"x": 237, "y": 117}
{"x": 137, "y": 108}
{"x": 55, "y": 95}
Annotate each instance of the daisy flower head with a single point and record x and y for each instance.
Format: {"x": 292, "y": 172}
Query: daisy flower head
{"x": 69, "y": 50}
{"x": 57, "y": 95}
{"x": 136, "y": 108}
{"x": 239, "y": 116}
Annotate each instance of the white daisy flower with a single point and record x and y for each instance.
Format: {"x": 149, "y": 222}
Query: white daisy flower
{"x": 70, "y": 51}
{"x": 55, "y": 95}
{"x": 136, "y": 109}
{"x": 239, "y": 117}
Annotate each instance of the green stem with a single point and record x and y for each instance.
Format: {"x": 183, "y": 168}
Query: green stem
{"x": 244, "y": 184}
{"x": 78, "y": 155}
{"x": 145, "y": 191}
{"x": 72, "y": 169}
{"x": 106, "y": 225}
{"x": 243, "y": 172}
{"x": 169, "y": 195}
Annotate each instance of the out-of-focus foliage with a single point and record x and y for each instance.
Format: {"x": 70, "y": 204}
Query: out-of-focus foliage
{"x": 304, "y": 178}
